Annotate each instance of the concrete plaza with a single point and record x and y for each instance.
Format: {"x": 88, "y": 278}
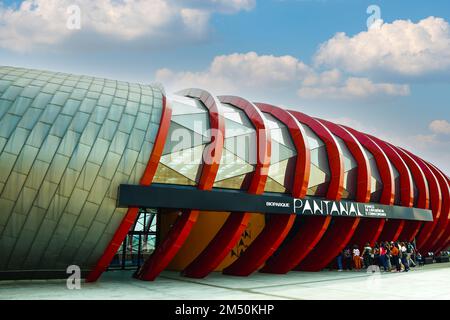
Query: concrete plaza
{"x": 429, "y": 282}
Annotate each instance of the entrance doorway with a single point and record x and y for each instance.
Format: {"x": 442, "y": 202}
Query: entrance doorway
{"x": 139, "y": 242}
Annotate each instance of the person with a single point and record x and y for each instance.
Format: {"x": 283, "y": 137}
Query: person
{"x": 339, "y": 261}
{"x": 420, "y": 260}
{"x": 404, "y": 258}
{"x": 347, "y": 258}
{"x": 383, "y": 257}
{"x": 388, "y": 255}
{"x": 356, "y": 257}
{"x": 409, "y": 254}
{"x": 367, "y": 255}
{"x": 376, "y": 255}
{"x": 395, "y": 257}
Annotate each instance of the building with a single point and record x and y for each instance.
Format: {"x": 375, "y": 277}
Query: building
{"x": 235, "y": 186}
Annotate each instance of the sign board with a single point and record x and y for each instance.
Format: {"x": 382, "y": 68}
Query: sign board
{"x": 186, "y": 197}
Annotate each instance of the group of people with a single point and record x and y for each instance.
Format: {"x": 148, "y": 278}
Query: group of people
{"x": 388, "y": 256}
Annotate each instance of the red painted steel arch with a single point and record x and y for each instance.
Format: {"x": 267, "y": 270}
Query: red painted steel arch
{"x": 392, "y": 228}
{"x": 443, "y": 223}
{"x": 277, "y": 228}
{"x": 311, "y": 231}
{"x": 412, "y": 228}
{"x": 368, "y": 229}
{"x": 230, "y": 233}
{"x": 406, "y": 182}
{"x": 130, "y": 216}
{"x": 341, "y": 230}
{"x": 424, "y": 238}
{"x": 383, "y": 164}
{"x": 178, "y": 234}
{"x": 445, "y": 241}
{"x": 364, "y": 172}
{"x": 336, "y": 163}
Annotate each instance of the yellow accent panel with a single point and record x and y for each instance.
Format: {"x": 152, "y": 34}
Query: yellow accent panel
{"x": 206, "y": 227}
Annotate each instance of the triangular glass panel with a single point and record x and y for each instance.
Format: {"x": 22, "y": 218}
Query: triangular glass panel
{"x": 319, "y": 157}
{"x": 244, "y": 146}
{"x": 232, "y": 166}
{"x": 166, "y": 175}
{"x": 231, "y": 183}
{"x": 198, "y": 122}
{"x": 181, "y": 138}
{"x": 235, "y": 129}
{"x": 313, "y": 140}
{"x": 184, "y": 105}
{"x": 316, "y": 176}
{"x": 273, "y": 186}
{"x": 280, "y": 152}
{"x": 186, "y": 162}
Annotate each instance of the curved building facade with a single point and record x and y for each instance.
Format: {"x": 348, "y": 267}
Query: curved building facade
{"x": 238, "y": 186}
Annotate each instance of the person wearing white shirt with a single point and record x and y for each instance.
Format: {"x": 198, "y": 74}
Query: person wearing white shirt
{"x": 356, "y": 257}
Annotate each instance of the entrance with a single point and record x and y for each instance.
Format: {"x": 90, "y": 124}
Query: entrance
{"x": 139, "y": 243}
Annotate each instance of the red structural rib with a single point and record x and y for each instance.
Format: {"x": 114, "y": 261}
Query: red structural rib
{"x": 412, "y": 228}
{"x": 298, "y": 135}
{"x": 230, "y": 233}
{"x": 165, "y": 252}
{"x": 278, "y": 226}
{"x": 340, "y": 232}
{"x": 392, "y": 228}
{"x": 364, "y": 172}
{"x": 444, "y": 242}
{"x": 130, "y": 216}
{"x": 409, "y": 228}
{"x": 406, "y": 180}
{"x": 311, "y": 230}
{"x": 368, "y": 229}
{"x": 428, "y": 232}
{"x": 383, "y": 164}
{"x": 335, "y": 160}
{"x": 443, "y": 223}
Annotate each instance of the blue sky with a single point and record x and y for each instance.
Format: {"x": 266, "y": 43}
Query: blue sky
{"x": 392, "y": 82}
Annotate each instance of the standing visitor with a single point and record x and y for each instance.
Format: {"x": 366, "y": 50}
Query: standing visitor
{"x": 395, "y": 257}
{"x": 347, "y": 258}
{"x": 383, "y": 258}
{"x": 367, "y": 255}
{"x": 339, "y": 261}
{"x": 376, "y": 255}
{"x": 409, "y": 254}
{"x": 356, "y": 257}
{"x": 404, "y": 257}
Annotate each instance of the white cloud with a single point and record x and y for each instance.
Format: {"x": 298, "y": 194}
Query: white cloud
{"x": 440, "y": 127}
{"x": 42, "y": 23}
{"x": 401, "y": 47}
{"x": 245, "y": 73}
{"x": 239, "y": 71}
{"x": 331, "y": 86}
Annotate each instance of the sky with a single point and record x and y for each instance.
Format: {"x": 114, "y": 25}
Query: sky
{"x": 382, "y": 67}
